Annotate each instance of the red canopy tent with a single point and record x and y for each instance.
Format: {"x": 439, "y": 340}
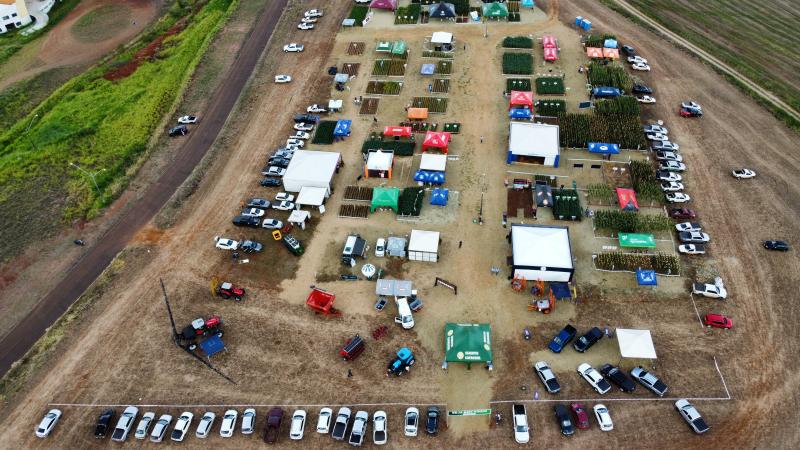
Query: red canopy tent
{"x": 549, "y": 42}
{"x": 611, "y": 53}
{"x": 594, "y": 52}
{"x": 436, "y": 139}
{"x": 550, "y": 54}
{"x": 395, "y": 131}
{"x": 521, "y": 98}
{"x": 627, "y": 199}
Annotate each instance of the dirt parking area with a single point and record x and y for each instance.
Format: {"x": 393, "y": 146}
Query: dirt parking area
{"x": 281, "y": 353}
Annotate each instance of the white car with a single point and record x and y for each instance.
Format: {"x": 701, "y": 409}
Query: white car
{"x": 692, "y": 249}
{"x": 226, "y": 244}
{"x": 283, "y": 196}
{"x": 272, "y": 224}
{"x": 640, "y": 66}
{"x": 603, "y": 417}
{"x": 313, "y": 13}
{"x": 657, "y": 137}
{"x": 655, "y": 128}
{"x": 186, "y": 120}
{"x": 379, "y": 428}
{"x": 283, "y": 206}
{"x": 291, "y": 142}
{"x": 522, "y": 432}
{"x": 315, "y": 108}
{"x": 305, "y": 26}
{"x": 665, "y": 145}
{"x": 298, "y": 426}
{"x": 300, "y": 135}
{"x": 672, "y": 166}
{"x": 677, "y": 197}
{"x": 716, "y": 290}
{"x": 324, "y": 420}
{"x": 248, "y": 421}
{"x": 253, "y": 212}
{"x": 636, "y": 59}
{"x": 160, "y": 428}
{"x": 144, "y": 425}
{"x": 48, "y": 422}
{"x": 359, "y": 429}
{"x": 308, "y": 20}
{"x": 547, "y": 376}
{"x": 228, "y": 423}
{"x": 671, "y": 186}
{"x": 646, "y": 99}
{"x": 669, "y": 176}
{"x": 380, "y": 248}
{"x": 691, "y": 416}
{"x": 204, "y": 427}
{"x": 274, "y": 171}
{"x": 688, "y": 226}
{"x": 182, "y": 426}
{"x": 688, "y": 104}
{"x": 743, "y": 173}
{"x": 668, "y": 156}
{"x": 411, "y": 421}
{"x": 593, "y": 377}
{"x": 124, "y": 424}
{"x": 283, "y": 78}
{"x": 693, "y": 237}
{"x": 302, "y": 126}
{"x": 293, "y": 47}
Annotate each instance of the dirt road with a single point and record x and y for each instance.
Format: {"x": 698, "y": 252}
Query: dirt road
{"x": 96, "y": 259}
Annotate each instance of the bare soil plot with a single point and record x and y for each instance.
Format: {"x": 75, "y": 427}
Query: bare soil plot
{"x": 358, "y": 193}
{"x": 355, "y": 211}
{"x": 369, "y": 106}
{"x": 441, "y": 86}
{"x": 355, "y": 48}
{"x": 350, "y": 68}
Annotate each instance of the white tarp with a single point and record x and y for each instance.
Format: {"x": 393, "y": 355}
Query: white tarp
{"x": 534, "y": 139}
{"x": 310, "y": 168}
{"x": 299, "y": 216}
{"x": 442, "y": 37}
{"x": 431, "y": 161}
{"x": 312, "y": 196}
{"x": 636, "y": 344}
{"x": 379, "y": 160}
{"x": 541, "y": 252}
{"x": 334, "y": 105}
{"x": 423, "y": 246}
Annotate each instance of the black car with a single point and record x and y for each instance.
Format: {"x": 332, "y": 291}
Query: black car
{"x": 103, "y": 422}
{"x": 641, "y": 89}
{"x": 307, "y": 118}
{"x": 586, "y": 341}
{"x": 628, "y": 50}
{"x": 246, "y": 221}
{"x": 180, "y": 130}
{"x": 780, "y": 246}
{"x": 257, "y": 203}
{"x": 271, "y": 182}
{"x": 618, "y": 377}
{"x": 564, "y": 420}
{"x": 432, "y": 424}
{"x": 280, "y": 162}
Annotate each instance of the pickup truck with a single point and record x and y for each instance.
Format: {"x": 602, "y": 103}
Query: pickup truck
{"x": 274, "y": 418}
{"x": 359, "y": 429}
{"x": 340, "y": 426}
{"x": 586, "y": 341}
{"x": 716, "y": 290}
{"x": 562, "y": 339}
{"x": 521, "y": 431}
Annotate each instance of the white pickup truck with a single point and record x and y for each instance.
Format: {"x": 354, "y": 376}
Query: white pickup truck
{"x": 716, "y": 290}
{"x": 521, "y": 430}
{"x": 404, "y": 316}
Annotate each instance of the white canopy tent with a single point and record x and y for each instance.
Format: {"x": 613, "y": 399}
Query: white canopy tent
{"x": 442, "y": 37}
{"x": 312, "y": 196}
{"x": 299, "y": 217}
{"x": 397, "y": 288}
{"x": 635, "y": 344}
{"x": 380, "y": 161}
{"x": 309, "y": 168}
{"x": 541, "y": 252}
{"x": 534, "y": 142}
{"x": 431, "y": 161}
{"x": 423, "y": 246}
{"x": 334, "y": 105}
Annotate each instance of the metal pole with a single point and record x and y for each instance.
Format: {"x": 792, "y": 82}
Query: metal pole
{"x": 91, "y": 175}
{"x": 28, "y": 135}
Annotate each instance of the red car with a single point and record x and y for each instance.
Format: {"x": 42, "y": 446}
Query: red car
{"x": 581, "y": 417}
{"x": 717, "y": 321}
{"x": 682, "y": 213}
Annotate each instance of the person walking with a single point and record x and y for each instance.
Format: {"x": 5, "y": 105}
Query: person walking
{"x": 481, "y": 139}
{"x": 459, "y": 243}
{"x": 349, "y": 373}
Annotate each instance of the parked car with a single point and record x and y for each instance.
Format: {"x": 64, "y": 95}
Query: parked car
{"x": 547, "y": 376}
{"x": 275, "y": 161}
{"x": 307, "y": 118}
{"x": 246, "y": 221}
{"x": 257, "y": 203}
{"x": 283, "y": 206}
{"x": 270, "y": 182}
{"x": 273, "y": 171}
{"x": 581, "y": 418}
{"x": 380, "y": 248}
{"x": 305, "y": 26}
{"x": 671, "y": 186}
{"x": 411, "y": 421}
{"x": 519, "y": 416}
{"x": 124, "y": 424}
{"x": 303, "y": 126}
{"x": 101, "y": 428}
{"x": 716, "y": 290}
{"x": 292, "y": 142}
{"x": 299, "y": 135}
{"x": 691, "y": 416}
{"x": 564, "y": 420}
{"x": 649, "y": 380}
{"x": 284, "y": 197}
{"x": 655, "y": 128}
{"x": 432, "y": 424}
{"x": 665, "y": 145}
{"x": 682, "y": 213}
{"x": 677, "y": 197}
{"x": 205, "y": 424}
{"x": 563, "y": 338}
{"x": 641, "y": 67}
{"x": 143, "y": 427}
{"x": 586, "y": 341}
{"x": 293, "y": 47}
{"x": 180, "y": 130}
{"x": 646, "y": 99}
{"x": 717, "y": 321}
{"x": 308, "y": 20}
{"x": 688, "y": 104}
{"x": 228, "y": 423}
{"x": 48, "y": 422}
{"x": 298, "y": 425}
{"x": 603, "y": 417}
{"x": 182, "y": 426}
{"x": 672, "y": 166}
{"x": 252, "y": 212}
{"x": 690, "y": 112}
{"x": 641, "y": 89}
{"x": 628, "y": 50}
{"x": 340, "y": 425}
{"x": 692, "y": 249}
{"x": 379, "y": 428}
{"x": 618, "y": 377}
{"x": 359, "y": 429}
{"x": 273, "y": 425}
{"x": 780, "y": 246}
{"x": 187, "y": 119}
{"x": 324, "y": 420}
{"x": 160, "y": 428}
{"x": 665, "y": 175}
{"x": 743, "y": 173}
{"x": 688, "y": 226}
{"x": 657, "y": 136}
{"x": 272, "y": 224}
{"x": 248, "y": 421}
{"x": 315, "y": 108}
{"x": 694, "y": 237}
{"x": 636, "y": 60}
{"x": 313, "y": 13}
{"x": 593, "y": 377}
{"x": 286, "y": 153}
{"x": 668, "y": 156}
{"x": 280, "y": 79}
{"x": 226, "y": 244}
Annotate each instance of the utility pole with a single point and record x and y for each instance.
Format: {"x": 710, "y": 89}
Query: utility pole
{"x": 91, "y": 175}
{"x": 28, "y": 135}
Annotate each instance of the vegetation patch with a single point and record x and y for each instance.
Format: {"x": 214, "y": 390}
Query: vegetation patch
{"x": 384, "y": 87}
{"x": 358, "y": 13}
{"x": 550, "y": 107}
{"x": 597, "y": 40}
{"x": 453, "y": 127}
{"x": 444, "y": 68}
{"x": 517, "y": 42}
{"x": 613, "y": 75}
{"x": 441, "y": 86}
{"x": 19, "y": 99}
{"x": 630, "y": 222}
{"x": 400, "y": 148}
{"x": 600, "y": 194}
{"x": 388, "y": 67}
{"x": 550, "y": 86}
{"x": 577, "y": 130}
{"x": 629, "y": 262}
{"x": 435, "y": 54}
{"x": 407, "y": 15}
{"x": 410, "y": 201}
{"x": 434, "y": 104}
{"x": 566, "y": 204}
{"x": 518, "y": 84}
{"x": 645, "y": 183}
{"x": 517, "y": 63}
{"x": 324, "y": 133}
{"x": 624, "y": 105}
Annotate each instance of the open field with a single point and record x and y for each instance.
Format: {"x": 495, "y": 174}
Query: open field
{"x": 280, "y": 353}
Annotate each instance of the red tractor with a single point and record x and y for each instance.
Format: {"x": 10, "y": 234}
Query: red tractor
{"x": 227, "y": 290}
{"x": 199, "y": 328}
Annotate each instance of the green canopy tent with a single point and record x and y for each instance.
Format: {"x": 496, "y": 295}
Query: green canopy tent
{"x": 636, "y": 240}
{"x": 384, "y": 198}
{"x": 383, "y": 46}
{"x": 399, "y": 47}
{"x": 495, "y": 10}
{"x": 468, "y": 343}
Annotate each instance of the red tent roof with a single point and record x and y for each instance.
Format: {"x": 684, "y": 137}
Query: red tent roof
{"x": 550, "y": 54}
{"x": 436, "y": 139}
{"x": 397, "y": 131}
{"x": 612, "y": 53}
{"x": 520, "y": 98}
{"x": 549, "y": 42}
{"x": 594, "y": 52}
{"x": 627, "y": 199}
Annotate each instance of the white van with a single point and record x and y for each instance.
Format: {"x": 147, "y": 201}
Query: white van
{"x": 404, "y": 313}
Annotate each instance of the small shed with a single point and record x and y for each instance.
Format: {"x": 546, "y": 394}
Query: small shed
{"x": 610, "y": 43}
{"x": 495, "y": 10}
{"x": 519, "y": 114}
{"x": 379, "y": 164}
{"x": 427, "y": 69}
{"x": 603, "y": 148}
{"x": 550, "y": 54}
{"x": 417, "y": 113}
{"x": 646, "y": 277}
{"x": 440, "y": 196}
{"x": 439, "y": 140}
{"x": 549, "y": 41}
{"x": 341, "y": 78}
{"x": 594, "y": 52}
{"x": 391, "y": 5}
{"x": 442, "y": 41}
{"x": 383, "y": 47}
{"x": 335, "y": 105}
{"x": 399, "y": 47}
{"x": 611, "y": 53}
{"x": 385, "y": 197}
{"x": 396, "y": 288}
{"x": 541, "y": 252}
{"x": 212, "y": 345}
{"x": 396, "y": 246}
{"x": 310, "y": 168}
{"x": 468, "y": 342}
{"x": 299, "y": 218}
{"x": 533, "y": 143}
{"x": 423, "y": 246}
{"x": 429, "y": 176}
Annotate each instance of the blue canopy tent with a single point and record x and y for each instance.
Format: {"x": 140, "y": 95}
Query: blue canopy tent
{"x": 342, "y": 128}
{"x": 646, "y": 277}
{"x": 603, "y": 148}
{"x": 212, "y": 346}
{"x": 429, "y": 176}
{"x": 560, "y": 290}
{"x": 610, "y": 43}
{"x": 528, "y": 3}
{"x": 440, "y": 196}
{"x": 519, "y": 113}
{"x": 428, "y": 69}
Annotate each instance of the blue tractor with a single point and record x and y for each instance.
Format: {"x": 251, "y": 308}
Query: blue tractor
{"x": 402, "y": 363}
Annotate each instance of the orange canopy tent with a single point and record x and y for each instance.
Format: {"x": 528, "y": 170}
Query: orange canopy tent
{"x": 436, "y": 139}
{"x": 417, "y": 113}
{"x": 611, "y": 53}
{"x": 521, "y": 98}
{"x": 594, "y": 52}
{"x": 397, "y": 131}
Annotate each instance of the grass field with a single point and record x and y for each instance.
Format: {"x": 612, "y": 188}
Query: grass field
{"x": 101, "y": 23}
{"x": 755, "y": 38}
{"x": 21, "y": 98}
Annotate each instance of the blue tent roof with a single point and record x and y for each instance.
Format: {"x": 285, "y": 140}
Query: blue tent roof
{"x": 519, "y": 113}
{"x": 603, "y": 148}
{"x": 528, "y": 3}
{"x": 212, "y": 345}
{"x": 428, "y": 69}
{"x": 429, "y": 176}
{"x": 439, "y": 196}
{"x": 560, "y": 290}
{"x": 610, "y": 43}
{"x": 646, "y": 277}
{"x": 342, "y": 128}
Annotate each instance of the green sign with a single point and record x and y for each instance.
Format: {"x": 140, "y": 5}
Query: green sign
{"x": 469, "y": 412}
{"x": 637, "y": 240}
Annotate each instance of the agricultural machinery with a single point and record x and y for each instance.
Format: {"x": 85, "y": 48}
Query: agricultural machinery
{"x": 401, "y": 363}
{"x": 352, "y": 348}
{"x": 321, "y": 302}
{"x": 227, "y": 290}
{"x": 197, "y": 330}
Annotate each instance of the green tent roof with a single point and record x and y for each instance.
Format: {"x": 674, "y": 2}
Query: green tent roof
{"x": 384, "y": 198}
{"x": 399, "y": 47}
{"x": 383, "y": 46}
{"x": 637, "y": 240}
{"x": 495, "y": 10}
{"x": 468, "y": 342}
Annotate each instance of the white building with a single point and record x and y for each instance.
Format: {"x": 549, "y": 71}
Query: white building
{"x": 423, "y": 246}
{"x": 535, "y": 143}
{"x": 541, "y": 252}
{"x": 13, "y": 14}
{"x": 309, "y": 168}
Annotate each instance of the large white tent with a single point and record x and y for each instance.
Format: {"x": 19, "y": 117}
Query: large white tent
{"x": 312, "y": 196}
{"x": 534, "y": 143}
{"x": 309, "y": 168}
{"x": 635, "y": 344}
{"x": 423, "y": 246}
{"x": 541, "y": 252}
{"x": 433, "y": 161}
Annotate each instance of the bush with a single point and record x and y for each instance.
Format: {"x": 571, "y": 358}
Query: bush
{"x": 550, "y": 86}
{"x": 435, "y": 54}
{"x": 410, "y": 201}
{"x": 550, "y": 107}
{"x": 594, "y": 40}
{"x": 661, "y": 263}
{"x": 324, "y": 133}
{"x": 625, "y": 105}
{"x": 613, "y": 75}
{"x": 517, "y": 63}
{"x": 600, "y": 193}
{"x": 630, "y": 222}
{"x": 517, "y": 42}
{"x": 400, "y": 148}
{"x": 407, "y": 15}
{"x": 359, "y": 13}
{"x": 518, "y": 84}
{"x": 643, "y": 179}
